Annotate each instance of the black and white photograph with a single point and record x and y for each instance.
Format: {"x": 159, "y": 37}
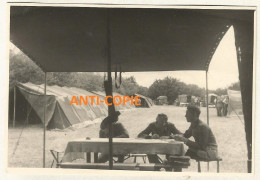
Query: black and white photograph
{"x": 131, "y": 88}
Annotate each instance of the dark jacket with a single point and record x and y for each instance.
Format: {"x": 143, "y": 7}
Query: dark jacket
{"x": 202, "y": 134}
{"x": 118, "y": 132}
{"x": 152, "y": 129}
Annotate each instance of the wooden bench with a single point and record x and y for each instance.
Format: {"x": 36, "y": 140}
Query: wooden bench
{"x": 175, "y": 163}
{"x": 57, "y": 159}
{"x": 88, "y": 150}
{"x": 208, "y": 161}
{"x": 135, "y": 156}
{"x": 117, "y": 166}
{"x": 179, "y": 162}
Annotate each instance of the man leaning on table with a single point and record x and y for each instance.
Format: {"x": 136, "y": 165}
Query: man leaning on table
{"x": 205, "y": 146}
{"x": 118, "y": 132}
{"x": 158, "y": 129}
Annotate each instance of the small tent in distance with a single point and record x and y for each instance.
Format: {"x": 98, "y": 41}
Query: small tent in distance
{"x": 119, "y": 104}
{"x": 145, "y": 102}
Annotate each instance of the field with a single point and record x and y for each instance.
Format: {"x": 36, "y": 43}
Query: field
{"x": 229, "y": 132}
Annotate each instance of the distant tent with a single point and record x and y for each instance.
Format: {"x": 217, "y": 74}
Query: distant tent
{"x": 235, "y": 102}
{"x": 59, "y": 113}
{"x": 145, "y": 101}
{"x": 128, "y": 105}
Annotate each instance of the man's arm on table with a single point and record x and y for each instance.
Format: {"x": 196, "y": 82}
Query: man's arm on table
{"x": 203, "y": 140}
{"x": 145, "y": 133}
{"x": 173, "y": 129}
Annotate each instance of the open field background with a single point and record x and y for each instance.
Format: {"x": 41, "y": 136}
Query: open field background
{"x": 229, "y": 132}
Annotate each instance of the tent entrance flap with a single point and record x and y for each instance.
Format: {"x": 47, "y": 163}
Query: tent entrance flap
{"x": 59, "y": 119}
{"x": 36, "y": 101}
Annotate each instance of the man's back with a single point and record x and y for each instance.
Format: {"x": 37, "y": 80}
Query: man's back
{"x": 118, "y": 132}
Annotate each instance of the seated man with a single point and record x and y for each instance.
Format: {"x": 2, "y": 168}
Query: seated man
{"x": 118, "y": 132}
{"x": 159, "y": 129}
{"x": 205, "y": 146}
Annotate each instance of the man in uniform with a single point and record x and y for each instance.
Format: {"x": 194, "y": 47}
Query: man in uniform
{"x": 159, "y": 129}
{"x": 118, "y": 132}
{"x": 205, "y": 146}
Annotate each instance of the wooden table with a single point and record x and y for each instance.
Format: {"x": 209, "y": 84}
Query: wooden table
{"x": 81, "y": 149}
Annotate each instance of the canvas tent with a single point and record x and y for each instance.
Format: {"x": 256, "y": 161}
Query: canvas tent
{"x": 60, "y": 114}
{"x": 119, "y": 107}
{"x": 235, "y": 102}
{"x": 92, "y": 39}
{"x": 144, "y": 101}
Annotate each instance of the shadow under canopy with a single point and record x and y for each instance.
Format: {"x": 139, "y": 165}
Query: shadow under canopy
{"x": 88, "y": 39}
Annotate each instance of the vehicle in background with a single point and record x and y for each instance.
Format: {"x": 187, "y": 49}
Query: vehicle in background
{"x": 184, "y": 100}
{"x": 212, "y": 100}
{"x": 162, "y": 100}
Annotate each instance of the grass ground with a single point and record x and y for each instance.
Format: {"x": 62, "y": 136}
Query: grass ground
{"x": 229, "y": 132}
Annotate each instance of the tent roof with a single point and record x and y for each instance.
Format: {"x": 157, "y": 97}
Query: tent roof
{"x": 54, "y": 90}
{"x": 74, "y": 39}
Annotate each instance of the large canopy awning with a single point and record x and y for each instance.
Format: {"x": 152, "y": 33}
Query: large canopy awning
{"x": 74, "y": 39}
{"x": 81, "y": 39}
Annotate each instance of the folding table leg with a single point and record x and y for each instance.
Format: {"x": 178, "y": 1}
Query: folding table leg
{"x": 52, "y": 163}
{"x": 88, "y": 157}
{"x": 57, "y": 160}
{"x": 144, "y": 159}
{"x": 199, "y": 169}
{"x": 95, "y": 157}
{"x": 217, "y": 166}
{"x": 135, "y": 159}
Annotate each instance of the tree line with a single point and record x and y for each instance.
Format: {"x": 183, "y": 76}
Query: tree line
{"x": 22, "y": 69}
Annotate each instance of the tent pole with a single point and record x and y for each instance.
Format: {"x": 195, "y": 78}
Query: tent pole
{"x": 14, "y": 105}
{"x": 207, "y": 97}
{"x": 109, "y": 92}
{"x": 44, "y": 119}
{"x": 207, "y": 94}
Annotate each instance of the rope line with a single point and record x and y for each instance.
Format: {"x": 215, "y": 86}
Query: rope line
{"x": 237, "y": 115}
{"x": 17, "y": 143}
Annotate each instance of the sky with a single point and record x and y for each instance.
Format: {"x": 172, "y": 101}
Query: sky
{"x": 223, "y": 70}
